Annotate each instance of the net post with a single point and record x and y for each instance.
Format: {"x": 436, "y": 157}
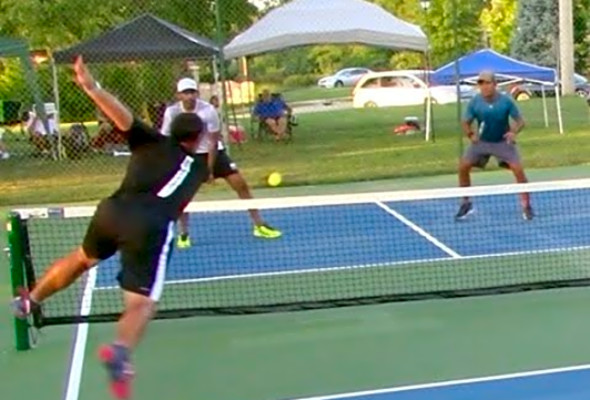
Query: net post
{"x": 14, "y": 231}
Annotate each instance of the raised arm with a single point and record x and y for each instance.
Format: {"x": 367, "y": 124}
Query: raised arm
{"x": 111, "y": 107}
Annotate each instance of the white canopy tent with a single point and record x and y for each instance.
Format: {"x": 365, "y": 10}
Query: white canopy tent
{"x": 309, "y": 22}
{"x": 305, "y": 22}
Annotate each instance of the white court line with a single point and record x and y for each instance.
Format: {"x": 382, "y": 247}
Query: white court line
{"x": 301, "y": 271}
{"x": 456, "y": 382}
{"x": 419, "y": 230}
{"x": 77, "y": 363}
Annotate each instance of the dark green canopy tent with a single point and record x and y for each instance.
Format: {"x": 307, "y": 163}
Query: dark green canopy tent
{"x": 143, "y": 38}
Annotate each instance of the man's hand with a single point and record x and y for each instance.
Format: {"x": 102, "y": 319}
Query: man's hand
{"x": 474, "y": 137}
{"x": 509, "y": 137}
{"x": 83, "y": 76}
{"x": 112, "y": 108}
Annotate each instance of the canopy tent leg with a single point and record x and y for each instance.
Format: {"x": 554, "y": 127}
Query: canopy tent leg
{"x": 222, "y": 72}
{"x": 545, "y": 114}
{"x": 558, "y": 103}
{"x": 31, "y": 78}
{"x": 251, "y": 98}
{"x": 429, "y": 134}
{"x": 429, "y": 117}
{"x": 220, "y": 92}
{"x": 57, "y": 106}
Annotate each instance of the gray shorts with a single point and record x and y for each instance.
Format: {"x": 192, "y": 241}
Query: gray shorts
{"x": 479, "y": 153}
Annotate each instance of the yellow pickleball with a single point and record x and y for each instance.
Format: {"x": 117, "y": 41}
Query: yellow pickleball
{"x": 274, "y": 179}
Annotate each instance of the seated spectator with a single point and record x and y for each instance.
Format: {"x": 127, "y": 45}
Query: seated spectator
{"x": 278, "y": 99}
{"x": 45, "y": 141}
{"x": 3, "y": 152}
{"x": 76, "y": 141}
{"x": 108, "y": 137}
{"x": 214, "y": 101}
{"x": 273, "y": 111}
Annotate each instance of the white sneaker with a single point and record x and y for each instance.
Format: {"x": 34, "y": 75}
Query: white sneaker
{"x": 4, "y": 156}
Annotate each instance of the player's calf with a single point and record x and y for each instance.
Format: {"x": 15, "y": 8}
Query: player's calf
{"x": 525, "y": 198}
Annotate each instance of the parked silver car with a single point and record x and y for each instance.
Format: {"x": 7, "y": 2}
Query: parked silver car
{"x": 344, "y": 77}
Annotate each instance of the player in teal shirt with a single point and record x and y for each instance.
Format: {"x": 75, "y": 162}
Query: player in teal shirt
{"x": 495, "y": 136}
{"x": 492, "y": 116}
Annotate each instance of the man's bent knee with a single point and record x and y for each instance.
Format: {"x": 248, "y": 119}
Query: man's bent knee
{"x": 237, "y": 182}
{"x": 465, "y": 165}
{"x": 139, "y": 303}
{"x": 515, "y": 166}
{"x": 82, "y": 259}
{"x": 518, "y": 171}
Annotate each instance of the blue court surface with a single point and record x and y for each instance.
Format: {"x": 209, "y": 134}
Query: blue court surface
{"x": 571, "y": 383}
{"x": 317, "y": 238}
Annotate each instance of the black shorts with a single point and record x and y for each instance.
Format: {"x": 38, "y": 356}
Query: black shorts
{"x": 224, "y": 165}
{"x": 143, "y": 239}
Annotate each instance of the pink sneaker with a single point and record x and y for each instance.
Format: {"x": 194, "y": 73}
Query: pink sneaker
{"x": 116, "y": 361}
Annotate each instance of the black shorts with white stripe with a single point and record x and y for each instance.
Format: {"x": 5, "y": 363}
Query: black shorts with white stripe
{"x": 224, "y": 166}
{"x": 143, "y": 238}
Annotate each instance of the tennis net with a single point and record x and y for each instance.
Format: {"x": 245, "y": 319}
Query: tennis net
{"x": 336, "y": 250}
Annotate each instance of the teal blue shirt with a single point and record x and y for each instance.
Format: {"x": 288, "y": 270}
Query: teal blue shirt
{"x": 493, "y": 118}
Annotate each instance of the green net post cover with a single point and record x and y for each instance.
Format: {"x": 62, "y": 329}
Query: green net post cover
{"x": 17, "y": 275}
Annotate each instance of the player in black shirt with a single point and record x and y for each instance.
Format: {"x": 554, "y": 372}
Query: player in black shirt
{"x": 137, "y": 220}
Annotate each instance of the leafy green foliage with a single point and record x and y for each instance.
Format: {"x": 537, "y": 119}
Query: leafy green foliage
{"x": 537, "y": 32}
{"x": 453, "y": 28}
{"x": 57, "y": 24}
{"x": 582, "y": 35}
{"x": 497, "y": 21}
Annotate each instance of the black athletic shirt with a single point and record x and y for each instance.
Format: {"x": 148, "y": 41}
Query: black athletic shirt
{"x": 161, "y": 174}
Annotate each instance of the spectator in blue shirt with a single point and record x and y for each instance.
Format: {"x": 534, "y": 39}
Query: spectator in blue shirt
{"x": 273, "y": 111}
{"x": 495, "y": 136}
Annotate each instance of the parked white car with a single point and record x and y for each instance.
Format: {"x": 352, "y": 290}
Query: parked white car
{"x": 402, "y": 88}
{"x": 344, "y": 77}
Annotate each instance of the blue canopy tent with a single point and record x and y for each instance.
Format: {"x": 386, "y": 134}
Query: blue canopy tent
{"x": 508, "y": 70}
{"x": 472, "y": 64}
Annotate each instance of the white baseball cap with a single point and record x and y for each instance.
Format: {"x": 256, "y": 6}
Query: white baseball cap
{"x": 186, "y": 84}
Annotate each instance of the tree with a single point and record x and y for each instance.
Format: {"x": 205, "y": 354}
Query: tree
{"x": 581, "y": 35}
{"x": 537, "y": 32}
{"x": 497, "y": 21}
{"x": 410, "y": 11}
{"x": 58, "y": 24}
{"x": 446, "y": 16}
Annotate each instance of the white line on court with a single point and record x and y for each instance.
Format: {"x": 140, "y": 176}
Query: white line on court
{"x": 302, "y": 271}
{"x": 419, "y": 230}
{"x": 77, "y": 363}
{"x": 456, "y": 382}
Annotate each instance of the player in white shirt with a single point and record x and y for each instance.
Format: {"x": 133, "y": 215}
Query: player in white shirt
{"x": 211, "y": 147}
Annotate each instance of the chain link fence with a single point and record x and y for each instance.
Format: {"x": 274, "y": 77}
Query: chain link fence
{"x": 139, "y": 49}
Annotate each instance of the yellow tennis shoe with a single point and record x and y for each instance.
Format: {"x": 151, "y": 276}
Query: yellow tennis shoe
{"x": 266, "y": 232}
{"x": 183, "y": 242}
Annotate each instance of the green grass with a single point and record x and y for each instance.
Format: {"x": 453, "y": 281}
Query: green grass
{"x": 329, "y": 147}
{"x": 316, "y": 93}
